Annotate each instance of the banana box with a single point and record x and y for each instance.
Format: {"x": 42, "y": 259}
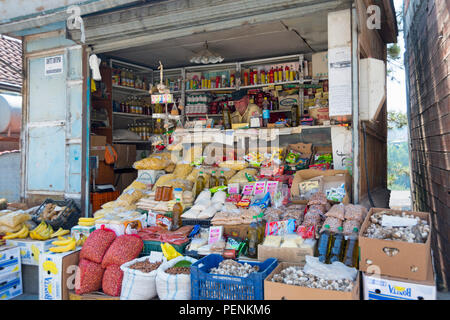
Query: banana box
{"x": 57, "y": 274}
{"x": 78, "y": 230}
{"x": 390, "y": 288}
{"x": 9, "y": 260}
{"x": 30, "y": 249}
{"x": 11, "y": 285}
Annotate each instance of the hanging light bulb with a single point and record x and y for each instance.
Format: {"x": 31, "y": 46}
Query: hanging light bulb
{"x": 206, "y": 56}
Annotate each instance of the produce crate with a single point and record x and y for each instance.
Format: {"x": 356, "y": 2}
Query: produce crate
{"x": 150, "y": 246}
{"x": 100, "y": 198}
{"x": 206, "y": 286}
{"x": 205, "y": 223}
{"x": 66, "y": 219}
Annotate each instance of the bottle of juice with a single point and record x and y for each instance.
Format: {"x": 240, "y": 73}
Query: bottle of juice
{"x": 351, "y": 253}
{"x": 177, "y": 211}
{"x": 323, "y": 244}
{"x": 337, "y": 246}
{"x": 280, "y": 74}
{"x": 213, "y": 181}
{"x": 200, "y": 184}
{"x": 252, "y": 235}
{"x": 286, "y": 73}
{"x": 222, "y": 179}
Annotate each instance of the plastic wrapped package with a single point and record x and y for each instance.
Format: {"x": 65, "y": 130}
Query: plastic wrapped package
{"x": 219, "y": 197}
{"x": 293, "y": 213}
{"x": 14, "y": 219}
{"x": 204, "y": 195}
{"x": 154, "y": 162}
{"x": 137, "y": 185}
{"x": 273, "y": 214}
{"x": 272, "y": 241}
{"x": 333, "y": 222}
{"x": 129, "y": 196}
{"x": 202, "y": 205}
{"x": 355, "y": 212}
{"x": 209, "y": 212}
{"x": 241, "y": 178}
{"x": 170, "y": 168}
{"x": 337, "y": 211}
{"x": 182, "y": 170}
{"x": 290, "y": 241}
{"x": 318, "y": 198}
{"x": 317, "y": 208}
{"x": 234, "y": 164}
{"x": 163, "y": 180}
{"x": 5, "y": 229}
{"x": 191, "y": 214}
{"x": 311, "y": 219}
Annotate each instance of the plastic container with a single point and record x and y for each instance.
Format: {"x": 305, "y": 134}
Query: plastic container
{"x": 66, "y": 219}
{"x": 323, "y": 244}
{"x": 206, "y": 286}
{"x": 337, "y": 246}
{"x": 100, "y": 198}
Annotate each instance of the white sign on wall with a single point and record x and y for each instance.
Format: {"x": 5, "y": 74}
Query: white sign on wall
{"x": 53, "y": 65}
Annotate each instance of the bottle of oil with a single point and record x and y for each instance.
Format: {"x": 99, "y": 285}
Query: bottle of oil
{"x": 252, "y": 235}
{"x": 262, "y": 228}
{"x": 222, "y": 179}
{"x": 351, "y": 253}
{"x": 337, "y": 246}
{"x": 226, "y": 117}
{"x": 323, "y": 244}
{"x": 213, "y": 181}
{"x": 200, "y": 184}
{"x": 177, "y": 211}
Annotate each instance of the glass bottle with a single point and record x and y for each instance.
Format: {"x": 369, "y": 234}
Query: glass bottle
{"x": 252, "y": 235}
{"x": 200, "y": 184}
{"x": 226, "y": 117}
{"x": 222, "y": 179}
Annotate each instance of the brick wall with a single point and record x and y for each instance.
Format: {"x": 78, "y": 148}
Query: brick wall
{"x": 427, "y": 45}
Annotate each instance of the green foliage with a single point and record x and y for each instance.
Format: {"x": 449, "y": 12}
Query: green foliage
{"x": 396, "y": 120}
{"x": 398, "y": 166}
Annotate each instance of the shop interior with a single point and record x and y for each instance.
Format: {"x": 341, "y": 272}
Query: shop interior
{"x": 284, "y": 61}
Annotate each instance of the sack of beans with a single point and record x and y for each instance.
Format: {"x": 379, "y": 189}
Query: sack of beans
{"x": 112, "y": 280}
{"x": 96, "y": 244}
{"x": 139, "y": 278}
{"x": 174, "y": 283}
{"x": 125, "y": 248}
{"x": 88, "y": 277}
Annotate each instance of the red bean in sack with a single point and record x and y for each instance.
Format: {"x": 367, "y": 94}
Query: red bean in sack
{"x": 88, "y": 277}
{"x": 112, "y": 280}
{"x": 96, "y": 244}
{"x": 125, "y": 248}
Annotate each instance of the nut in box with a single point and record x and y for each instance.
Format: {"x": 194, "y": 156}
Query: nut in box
{"x": 58, "y": 213}
{"x": 396, "y": 243}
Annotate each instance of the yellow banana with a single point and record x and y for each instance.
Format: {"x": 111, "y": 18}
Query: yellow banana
{"x": 62, "y": 242}
{"x": 69, "y": 247}
{"x": 40, "y": 227}
{"x": 86, "y": 219}
{"x": 62, "y": 238}
{"x": 60, "y": 232}
{"x": 81, "y": 241}
{"x": 18, "y": 234}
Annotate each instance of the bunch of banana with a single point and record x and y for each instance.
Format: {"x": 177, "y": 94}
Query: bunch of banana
{"x": 60, "y": 232}
{"x": 88, "y": 222}
{"x": 21, "y": 234}
{"x": 63, "y": 245}
{"x": 81, "y": 241}
{"x": 42, "y": 232}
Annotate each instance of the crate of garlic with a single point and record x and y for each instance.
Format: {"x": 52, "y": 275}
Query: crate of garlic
{"x": 290, "y": 282}
{"x": 396, "y": 243}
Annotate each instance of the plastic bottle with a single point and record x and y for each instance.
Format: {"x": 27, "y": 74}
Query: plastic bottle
{"x": 323, "y": 244}
{"x": 252, "y": 235}
{"x": 294, "y": 115}
{"x": 213, "y": 181}
{"x": 262, "y": 227}
{"x": 337, "y": 246}
{"x": 177, "y": 211}
{"x": 280, "y": 74}
{"x": 271, "y": 76}
{"x": 222, "y": 179}
{"x": 200, "y": 184}
{"x": 265, "y": 112}
{"x": 351, "y": 253}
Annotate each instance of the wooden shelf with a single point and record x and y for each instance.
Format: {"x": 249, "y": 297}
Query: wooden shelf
{"x": 129, "y": 89}
{"x": 131, "y": 115}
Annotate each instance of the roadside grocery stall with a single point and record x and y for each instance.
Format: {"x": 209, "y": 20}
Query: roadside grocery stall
{"x": 185, "y": 194}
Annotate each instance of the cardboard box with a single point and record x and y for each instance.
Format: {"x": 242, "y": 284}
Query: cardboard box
{"x": 97, "y": 147}
{"x": 236, "y": 230}
{"x": 286, "y": 102}
{"x": 91, "y": 296}
{"x": 149, "y": 177}
{"x": 320, "y": 65}
{"x": 412, "y": 260}
{"x": 57, "y": 274}
{"x": 390, "y": 288}
{"x": 126, "y": 155}
{"x": 104, "y": 174}
{"x": 293, "y": 255}
{"x": 30, "y": 250}
{"x": 307, "y": 174}
{"x": 9, "y": 260}
{"x": 77, "y": 231}
{"x": 10, "y": 285}
{"x": 281, "y": 291}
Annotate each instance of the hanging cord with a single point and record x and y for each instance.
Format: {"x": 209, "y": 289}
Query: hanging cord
{"x": 365, "y": 163}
